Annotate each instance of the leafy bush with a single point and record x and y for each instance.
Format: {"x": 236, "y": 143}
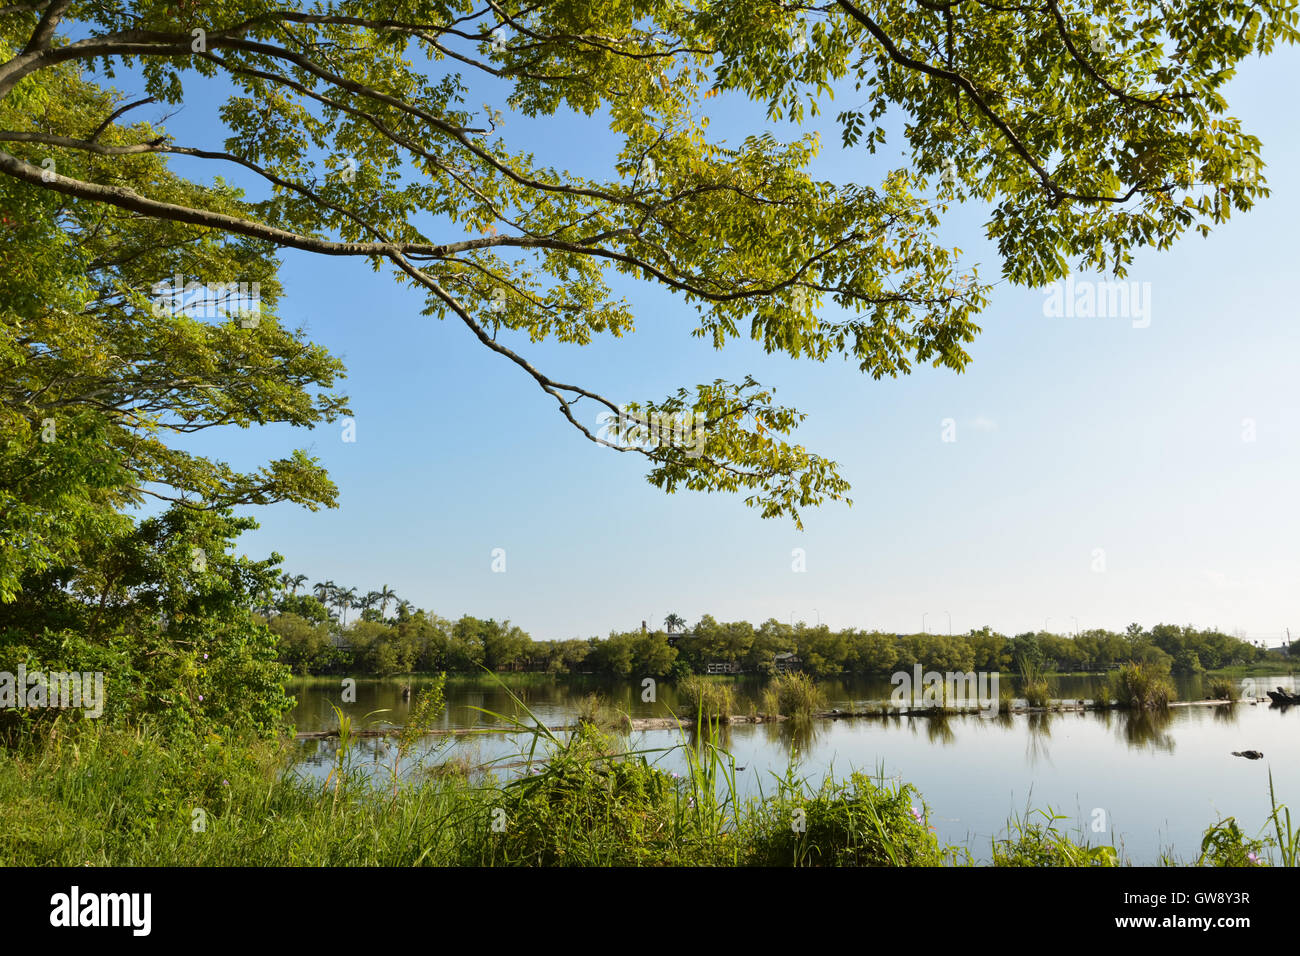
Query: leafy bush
{"x": 1187, "y": 661}
{"x": 163, "y": 614}
{"x": 1225, "y": 845}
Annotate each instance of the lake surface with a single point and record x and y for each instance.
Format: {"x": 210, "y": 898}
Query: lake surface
{"x": 1160, "y": 780}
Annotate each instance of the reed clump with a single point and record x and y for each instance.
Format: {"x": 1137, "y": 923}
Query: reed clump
{"x": 1222, "y": 688}
{"x": 1142, "y": 686}
{"x": 793, "y": 695}
{"x": 596, "y": 711}
{"x": 1035, "y": 687}
{"x": 706, "y": 700}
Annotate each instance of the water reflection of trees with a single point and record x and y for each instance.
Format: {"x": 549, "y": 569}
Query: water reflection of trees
{"x": 1038, "y": 737}
{"x": 1226, "y": 714}
{"x": 1140, "y": 729}
{"x": 715, "y": 733}
{"x": 795, "y": 735}
{"x": 1146, "y": 728}
{"x": 938, "y": 729}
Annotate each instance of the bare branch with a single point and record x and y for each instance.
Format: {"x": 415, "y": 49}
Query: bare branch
{"x": 118, "y": 112}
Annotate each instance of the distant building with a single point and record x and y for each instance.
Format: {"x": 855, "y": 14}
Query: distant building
{"x": 787, "y": 662}
{"x": 723, "y": 667}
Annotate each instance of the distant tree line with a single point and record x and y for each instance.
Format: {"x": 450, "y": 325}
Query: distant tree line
{"x": 316, "y": 637}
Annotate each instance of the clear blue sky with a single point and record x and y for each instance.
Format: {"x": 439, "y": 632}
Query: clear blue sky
{"x": 1073, "y": 434}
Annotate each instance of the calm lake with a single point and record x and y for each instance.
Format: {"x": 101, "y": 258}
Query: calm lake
{"x": 1160, "y": 780}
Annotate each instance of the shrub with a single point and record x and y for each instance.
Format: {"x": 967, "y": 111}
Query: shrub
{"x": 1225, "y": 845}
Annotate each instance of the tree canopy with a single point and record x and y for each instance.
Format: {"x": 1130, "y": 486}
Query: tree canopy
{"x": 97, "y": 383}
{"x": 312, "y": 642}
{"x": 1089, "y": 131}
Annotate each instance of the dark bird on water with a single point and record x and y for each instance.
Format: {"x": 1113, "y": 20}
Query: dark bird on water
{"x": 1248, "y": 754}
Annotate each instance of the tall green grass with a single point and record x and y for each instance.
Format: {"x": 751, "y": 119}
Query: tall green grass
{"x": 1223, "y": 688}
{"x": 595, "y": 710}
{"x": 1036, "y": 843}
{"x": 793, "y": 695}
{"x": 1034, "y": 685}
{"x": 706, "y": 700}
{"x": 1142, "y": 686}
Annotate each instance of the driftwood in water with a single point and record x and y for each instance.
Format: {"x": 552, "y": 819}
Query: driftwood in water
{"x": 1283, "y": 698}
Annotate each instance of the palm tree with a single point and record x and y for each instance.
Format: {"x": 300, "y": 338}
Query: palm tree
{"x": 386, "y": 594}
{"x": 367, "y": 601}
{"x": 325, "y": 591}
{"x": 345, "y": 598}
{"x": 674, "y": 623}
{"x": 295, "y": 582}
{"x": 285, "y": 580}
{"x": 404, "y": 608}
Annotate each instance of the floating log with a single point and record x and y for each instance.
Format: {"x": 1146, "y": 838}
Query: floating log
{"x": 1282, "y": 698}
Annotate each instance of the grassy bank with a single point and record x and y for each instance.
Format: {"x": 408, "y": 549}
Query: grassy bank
{"x": 125, "y": 799}
{"x": 104, "y": 797}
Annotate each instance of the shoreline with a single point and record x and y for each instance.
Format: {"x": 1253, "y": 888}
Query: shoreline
{"x": 673, "y": 723}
